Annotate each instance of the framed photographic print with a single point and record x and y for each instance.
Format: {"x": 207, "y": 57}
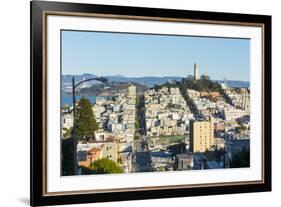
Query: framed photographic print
{"x": 139, "y": 103}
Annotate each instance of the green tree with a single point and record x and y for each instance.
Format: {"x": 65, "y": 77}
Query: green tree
{"x": 202, "y": 84}
{"x": 137, "y": 125}
{"x": 136, "y": 137}
{"x": 138, "y": 99}
{"x": 105, "y": 166}
{"x": 113, "y": 98}
{"x": 86, "y": 124}
{"x": 67, "y": 132}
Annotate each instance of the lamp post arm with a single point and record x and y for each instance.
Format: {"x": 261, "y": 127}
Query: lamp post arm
{"x": 101, "y": 79}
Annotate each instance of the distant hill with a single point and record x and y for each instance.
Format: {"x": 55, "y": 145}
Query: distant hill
{"x": 111, "y": 89}
{"x": 149, "y": 81}
{"x": 67, "y": 79}
{"x": 146, "y": 81}
{"x": 236, "y": 84}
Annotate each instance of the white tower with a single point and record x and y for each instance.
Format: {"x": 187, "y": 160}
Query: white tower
{"x": 195, "y": 71}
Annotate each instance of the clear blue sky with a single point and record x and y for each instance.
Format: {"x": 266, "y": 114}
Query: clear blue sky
{"x": 138, "y": 55}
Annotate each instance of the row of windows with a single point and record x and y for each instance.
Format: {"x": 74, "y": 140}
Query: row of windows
{"x": 205, "y": 135}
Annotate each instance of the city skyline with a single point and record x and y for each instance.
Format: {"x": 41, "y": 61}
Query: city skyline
{"x": 153, "y": 55}
{"x": 154, "y": 124}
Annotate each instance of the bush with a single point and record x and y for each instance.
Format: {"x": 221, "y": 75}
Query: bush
{"x": 105, "y": 166}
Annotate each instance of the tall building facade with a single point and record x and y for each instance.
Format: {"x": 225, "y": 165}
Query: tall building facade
{"x": 201, "y": 135}
{"x": 196, "y": 71}
{"x": 245, "y": 100}
{"x": 132, "y": 91}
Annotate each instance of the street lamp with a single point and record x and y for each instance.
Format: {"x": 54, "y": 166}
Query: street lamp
{"x": 74, "y": 138}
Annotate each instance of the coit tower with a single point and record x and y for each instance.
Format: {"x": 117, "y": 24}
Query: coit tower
{"x": 195, "y": 71}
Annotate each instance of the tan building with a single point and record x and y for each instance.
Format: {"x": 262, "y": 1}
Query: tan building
{"x": 209, "y": 94}
{"x": 109, "y": 151}
{"x": 87, "y": 157}
{"x": 132, "y": 91}
{"x": 231, "y": 114}
{"x": 201, "y": 135}
{"x": 92, "y": 151}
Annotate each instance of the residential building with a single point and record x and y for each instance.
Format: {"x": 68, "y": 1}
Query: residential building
{"x": 125, "y": 161}
{"x": 162, "y": 161}
{"x": 85, "y": 158}
{"x": 201, "y": 135}
{"x": 67, "y": 121}
{"x": 203, "y": 161}
{"x": 108, "y": 149}
{"x": 132, "y": 91}
{"x": 231, "y": 114}
{"x": 184, "y": 161}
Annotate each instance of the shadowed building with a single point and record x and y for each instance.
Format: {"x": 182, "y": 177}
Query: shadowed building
{"x": 184, "y": 161}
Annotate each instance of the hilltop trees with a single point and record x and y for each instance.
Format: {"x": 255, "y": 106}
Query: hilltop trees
{"x": 202, "y": 84}
{"x": 86, "y": 124}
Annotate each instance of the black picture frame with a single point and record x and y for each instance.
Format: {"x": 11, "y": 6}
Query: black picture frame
{"x": 39, "y": 96}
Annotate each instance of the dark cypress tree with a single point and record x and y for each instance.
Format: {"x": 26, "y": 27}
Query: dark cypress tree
{"x": 86, "y": 124}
